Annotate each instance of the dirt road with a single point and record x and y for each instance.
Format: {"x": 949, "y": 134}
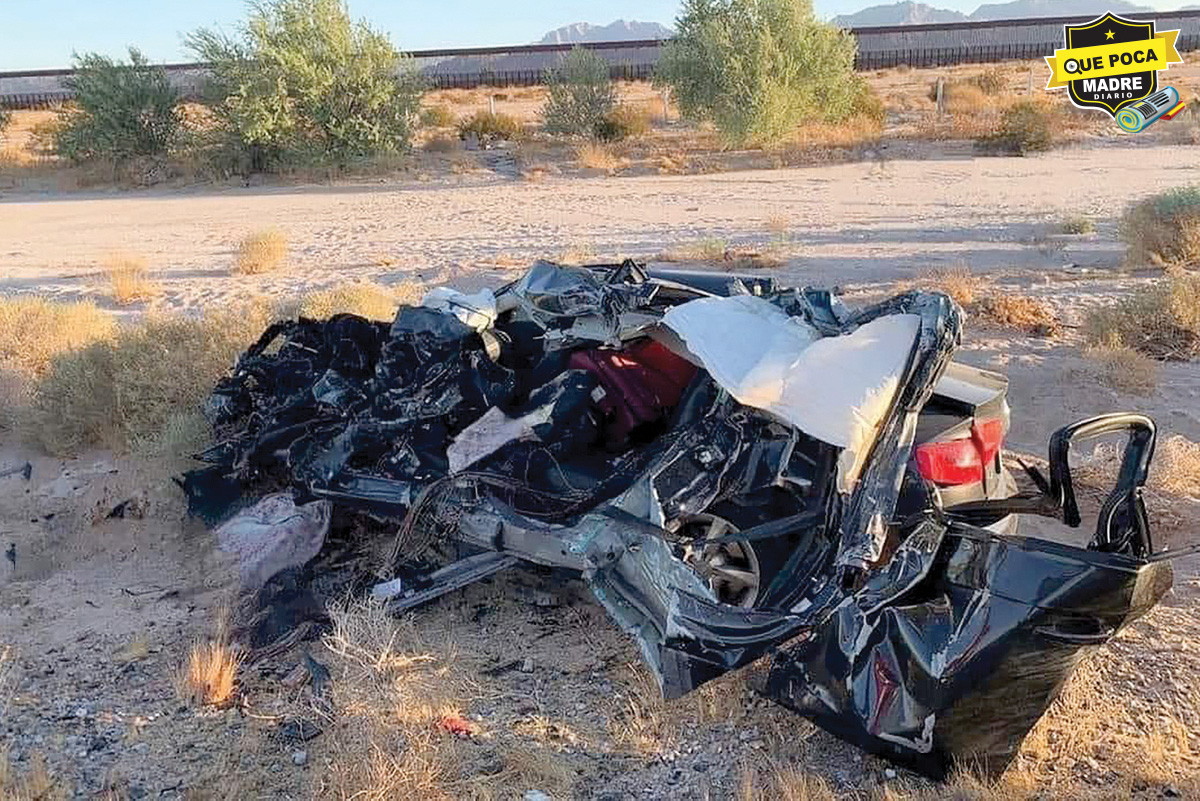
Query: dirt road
{"x": 845, "y": 224}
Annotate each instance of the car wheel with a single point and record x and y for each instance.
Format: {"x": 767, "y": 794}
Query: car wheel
{"x": 732, "y": 569}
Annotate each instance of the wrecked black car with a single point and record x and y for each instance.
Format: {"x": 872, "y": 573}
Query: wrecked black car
{"x": 739, "y": 471}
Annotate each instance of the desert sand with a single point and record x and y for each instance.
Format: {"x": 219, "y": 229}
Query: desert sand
{"x": 85, "y": 587}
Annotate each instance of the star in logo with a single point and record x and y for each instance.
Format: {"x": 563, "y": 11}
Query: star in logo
{"x": 1108, "y": 34}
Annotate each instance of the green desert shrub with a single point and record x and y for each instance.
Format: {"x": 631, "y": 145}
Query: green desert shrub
{"x": 582, "y": 95}
{"x": 305, "y": 84}
{"x": 121, "y": 110}
{"x": 1164, "y": 228}
{"x": 758, "y": 69}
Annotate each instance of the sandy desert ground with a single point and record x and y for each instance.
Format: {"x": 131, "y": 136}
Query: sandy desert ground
{"x": 100, "y": 611}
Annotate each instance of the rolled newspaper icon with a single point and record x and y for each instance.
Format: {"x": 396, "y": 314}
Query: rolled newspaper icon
{"x": 1141, "y": 114}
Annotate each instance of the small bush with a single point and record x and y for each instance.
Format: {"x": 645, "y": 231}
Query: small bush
{"x": 1164, "y": 228}
{"x": 121, "y": 111}
{"x": 758, "y": 69}
{"x": 5, "y": 121}
{"x": 1025, "y": 127}
{"x": 1177, "y": 467}
{"x": 1029, "y": 315}
{"x": 1162, "y": 321}
{"x": 438, "y": 117}
{"x": 1078, "y": 226}
{"x": 708, "y": 249}
{"x": 966, "y": 98}
{"x": 582, "y": 95}
{"x": 261, "y": 252}
{"x": 597, "y": 156}
{"x": 372, "y": 301}
{"x": 129, "y": 279}
{"x": 957, "y": 282}
{"x": 34, "y": 330}
{"x": 442, "y": 144}
{"x": 992, "y": 81}
{"x": 1123, "y": 368}
{"x": 623, "y": 122}
{"x": 487, "y": 126}
{"x": 123, "y": 392}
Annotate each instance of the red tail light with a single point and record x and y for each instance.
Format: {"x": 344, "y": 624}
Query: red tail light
{"x": 961, "y": 461}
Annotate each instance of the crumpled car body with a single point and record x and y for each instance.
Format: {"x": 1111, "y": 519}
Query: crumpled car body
{"x": 732, "y": 473}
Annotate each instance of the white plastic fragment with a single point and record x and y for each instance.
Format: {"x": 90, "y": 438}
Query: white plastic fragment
{"x": 478, "y": 310}
{"x": 274, "y": 535}
{"x": 836, "y": 389}
{"x": 387, "y": 590}
{"x": 490, "y": 433}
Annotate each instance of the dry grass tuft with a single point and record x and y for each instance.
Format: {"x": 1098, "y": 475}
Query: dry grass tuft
{"x": 973, "y": 293}
{"x": 129, "y": 279}
{"x": 7, "y": 671}
{"x": 1162, "y": 320}
{"x": 718, "y": 252}
{"x": 443, "y": 144}
{"x": 1176, "y": 467}
{"x": 121, "y": 392}
{"x": 815, "y": 141}
{"x": 957, "y": 282}
{"x": 598, "y": 156}
{"x": 1089, "y": 721}
{"x": 1078, "y": 225}
{"x": 577, "y": 253}
{"x": 36, "y": 784}
{"x": 779, "y": 227}
{"x": 1164, "y": 229}
{"x": 966, "y": 786}
{"x": 1026, "y": 314}
{"x": 392, "y": 687}
{"x": 488, "y": 126}
{"x": 261, "y": 252}
{"x": 783, "y": 783}
{"x": 368, "y": 300}
{"x": 642, "y": 724}
{"x": 630, "y": 121}
{"x": 439, "y": 116}
{"x": 33, "y": 330}
{"x": 1123, "y": 368}
{"x": 209, "y": 678}
{"x": 707, "y": 249}
{"x": 675, "y": 162}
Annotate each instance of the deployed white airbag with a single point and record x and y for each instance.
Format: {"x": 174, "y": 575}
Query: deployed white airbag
{"x": 836, "y": 389}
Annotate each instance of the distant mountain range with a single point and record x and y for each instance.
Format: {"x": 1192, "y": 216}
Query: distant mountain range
{"x": 909, "y": 13}
{"x": 619, "y": 31}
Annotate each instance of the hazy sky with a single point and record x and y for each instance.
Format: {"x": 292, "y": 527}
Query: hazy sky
{"x": 43, "y": 33}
